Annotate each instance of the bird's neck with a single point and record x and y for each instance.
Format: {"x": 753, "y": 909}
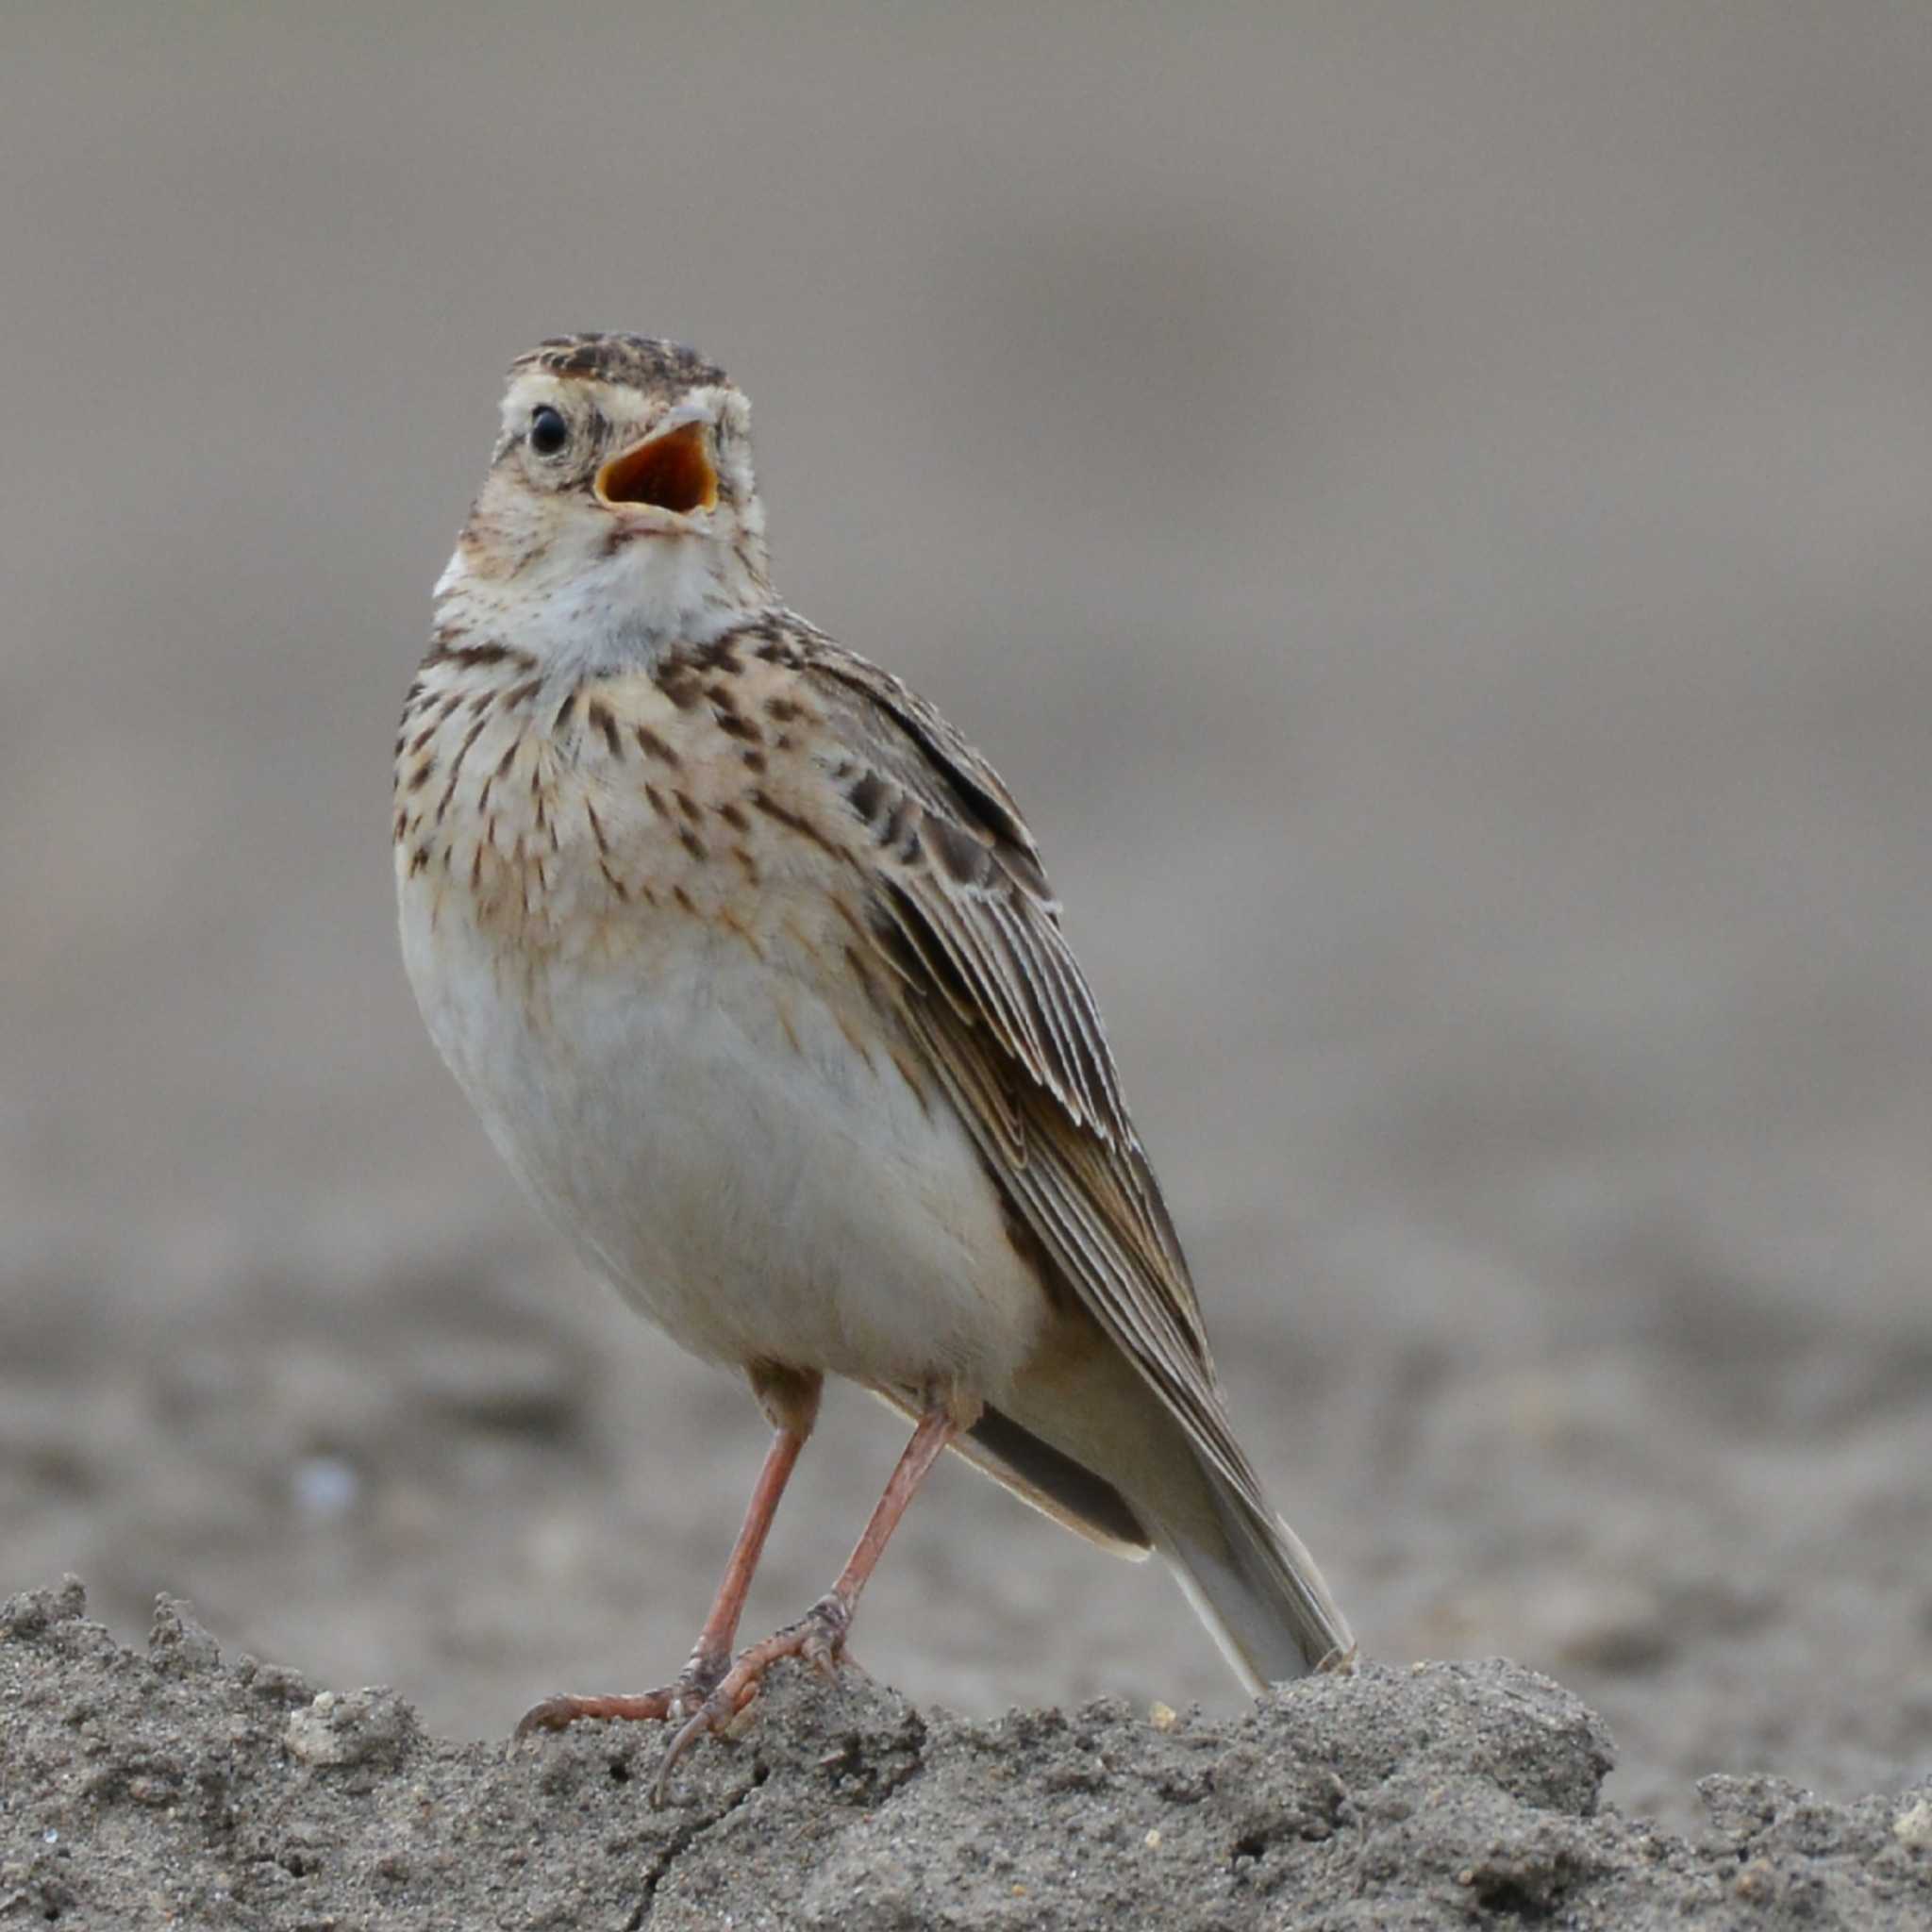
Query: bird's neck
{"x": 589, "y": 617}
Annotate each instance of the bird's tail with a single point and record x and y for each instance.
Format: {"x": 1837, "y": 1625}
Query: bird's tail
{"x": 1245, "y": 1572}
{"x": 1250, "y": 1578}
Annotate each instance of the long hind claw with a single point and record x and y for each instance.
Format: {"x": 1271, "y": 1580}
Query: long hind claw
{"x": 694, "y": 1686}
{"x": 560, "y": 1712}
{"x": 818, "y": 1639}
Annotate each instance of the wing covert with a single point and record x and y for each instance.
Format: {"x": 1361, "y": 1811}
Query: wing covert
{"x": 965, "y": 916}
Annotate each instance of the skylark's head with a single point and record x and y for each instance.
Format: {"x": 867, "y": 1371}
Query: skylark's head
{"x": 619, "y": 512}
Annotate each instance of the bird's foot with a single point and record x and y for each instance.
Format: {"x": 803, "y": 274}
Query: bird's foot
{"x": 674, "y": 1702}
{"x": 818, "y": 1639}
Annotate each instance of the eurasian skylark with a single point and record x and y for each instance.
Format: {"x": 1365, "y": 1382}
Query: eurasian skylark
{"x": 749, "y": 964}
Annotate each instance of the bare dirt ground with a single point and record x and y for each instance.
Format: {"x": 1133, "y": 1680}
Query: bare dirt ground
{"x": 1426, "y": 508}
{"x": 170, "y": 1790}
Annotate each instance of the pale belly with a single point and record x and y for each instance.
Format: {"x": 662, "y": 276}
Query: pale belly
{"x": 701, "y": 1128}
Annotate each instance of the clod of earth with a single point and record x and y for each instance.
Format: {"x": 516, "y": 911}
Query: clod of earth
{"x": 176, "y": 1788}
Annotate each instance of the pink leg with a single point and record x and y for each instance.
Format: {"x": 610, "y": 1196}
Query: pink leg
{"x": 819, "y": 1636}
{"x": 712, "y": 1654}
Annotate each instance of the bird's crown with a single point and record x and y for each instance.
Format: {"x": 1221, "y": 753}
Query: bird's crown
{"x": 644, "y": 363}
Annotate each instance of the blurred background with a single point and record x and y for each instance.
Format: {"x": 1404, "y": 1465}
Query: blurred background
{"x": 1426, "y": 506}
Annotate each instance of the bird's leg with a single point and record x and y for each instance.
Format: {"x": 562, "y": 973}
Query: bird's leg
{"x": 793, "y": 1409}
{"x": 819, "y": 1636}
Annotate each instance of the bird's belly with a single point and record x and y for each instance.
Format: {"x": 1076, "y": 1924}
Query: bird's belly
{"x": 712, "y": 1137}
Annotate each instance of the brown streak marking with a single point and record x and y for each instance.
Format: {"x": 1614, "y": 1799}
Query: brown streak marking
{"x": 421, "y": 738}
{"x": 455, "y": 767}
{"x": 692, "y": 844}
{"x": 688, "y": 806}
{"x": 856, "y": 1041}
{"x": 654, "y": 746}
{"x": 733, "y": 815}
{"x": 597, "y": 829}
{"x": 563, "y": 711}
{"x": 787, "y": 710}
{"x": 908, "y": 1071}
{"x": 740, "y": 729}
{"x": 851, "y": 919}
{"x": 500, "y": 654}
{"x": 422, "y": 774}
{"x": 749, "y": 863}
{"x": 796, "y": 934}
{"x": 600, "y": 715}
{"x": 792, "y": 822}
{"x": 753, "y": 760}
{"x": 730, "y": 919}
{"x": 784, "y": 1010}
{"x": 684, "y": 899}
{"x": 522, "y": 693}
{"x": 477, "y": 867}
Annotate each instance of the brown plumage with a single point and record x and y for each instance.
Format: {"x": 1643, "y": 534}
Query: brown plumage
{"x": 751, "y": 963}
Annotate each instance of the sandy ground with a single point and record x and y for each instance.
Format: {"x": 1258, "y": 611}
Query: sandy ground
{"x": 1426, "y": 507}
{"x": 170, "y": 1790}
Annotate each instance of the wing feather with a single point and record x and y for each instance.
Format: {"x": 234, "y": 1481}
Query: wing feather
{"x": 999, "y": 1004}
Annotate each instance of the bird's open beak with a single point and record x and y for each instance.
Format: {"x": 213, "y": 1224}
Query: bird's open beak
{"x": 672, "y": 471}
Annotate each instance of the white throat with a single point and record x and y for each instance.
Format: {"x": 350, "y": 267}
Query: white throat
{"x": 591, "y": 616}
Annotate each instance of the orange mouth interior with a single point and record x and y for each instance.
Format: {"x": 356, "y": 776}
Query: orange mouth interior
{"x": 672, "y": 471}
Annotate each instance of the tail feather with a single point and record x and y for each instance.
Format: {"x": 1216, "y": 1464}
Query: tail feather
{"x": 1051, "y": 1481}
{"x": 1247, "y": 1574}
{"x": 1254, "y": 1584}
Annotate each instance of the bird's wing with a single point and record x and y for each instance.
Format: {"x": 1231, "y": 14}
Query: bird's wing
{"x": 962, "y": 912}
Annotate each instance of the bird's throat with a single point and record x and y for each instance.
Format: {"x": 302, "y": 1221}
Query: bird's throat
{"x": 625, "y": 610}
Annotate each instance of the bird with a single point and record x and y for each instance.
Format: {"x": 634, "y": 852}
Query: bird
{"x": 750, "y": 967}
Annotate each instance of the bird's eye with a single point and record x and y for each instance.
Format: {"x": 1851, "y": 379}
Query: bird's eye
{"x": 549, "y": 432}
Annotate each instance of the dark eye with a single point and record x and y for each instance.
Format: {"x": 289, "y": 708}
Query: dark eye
{"x": 549, "y": 432}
